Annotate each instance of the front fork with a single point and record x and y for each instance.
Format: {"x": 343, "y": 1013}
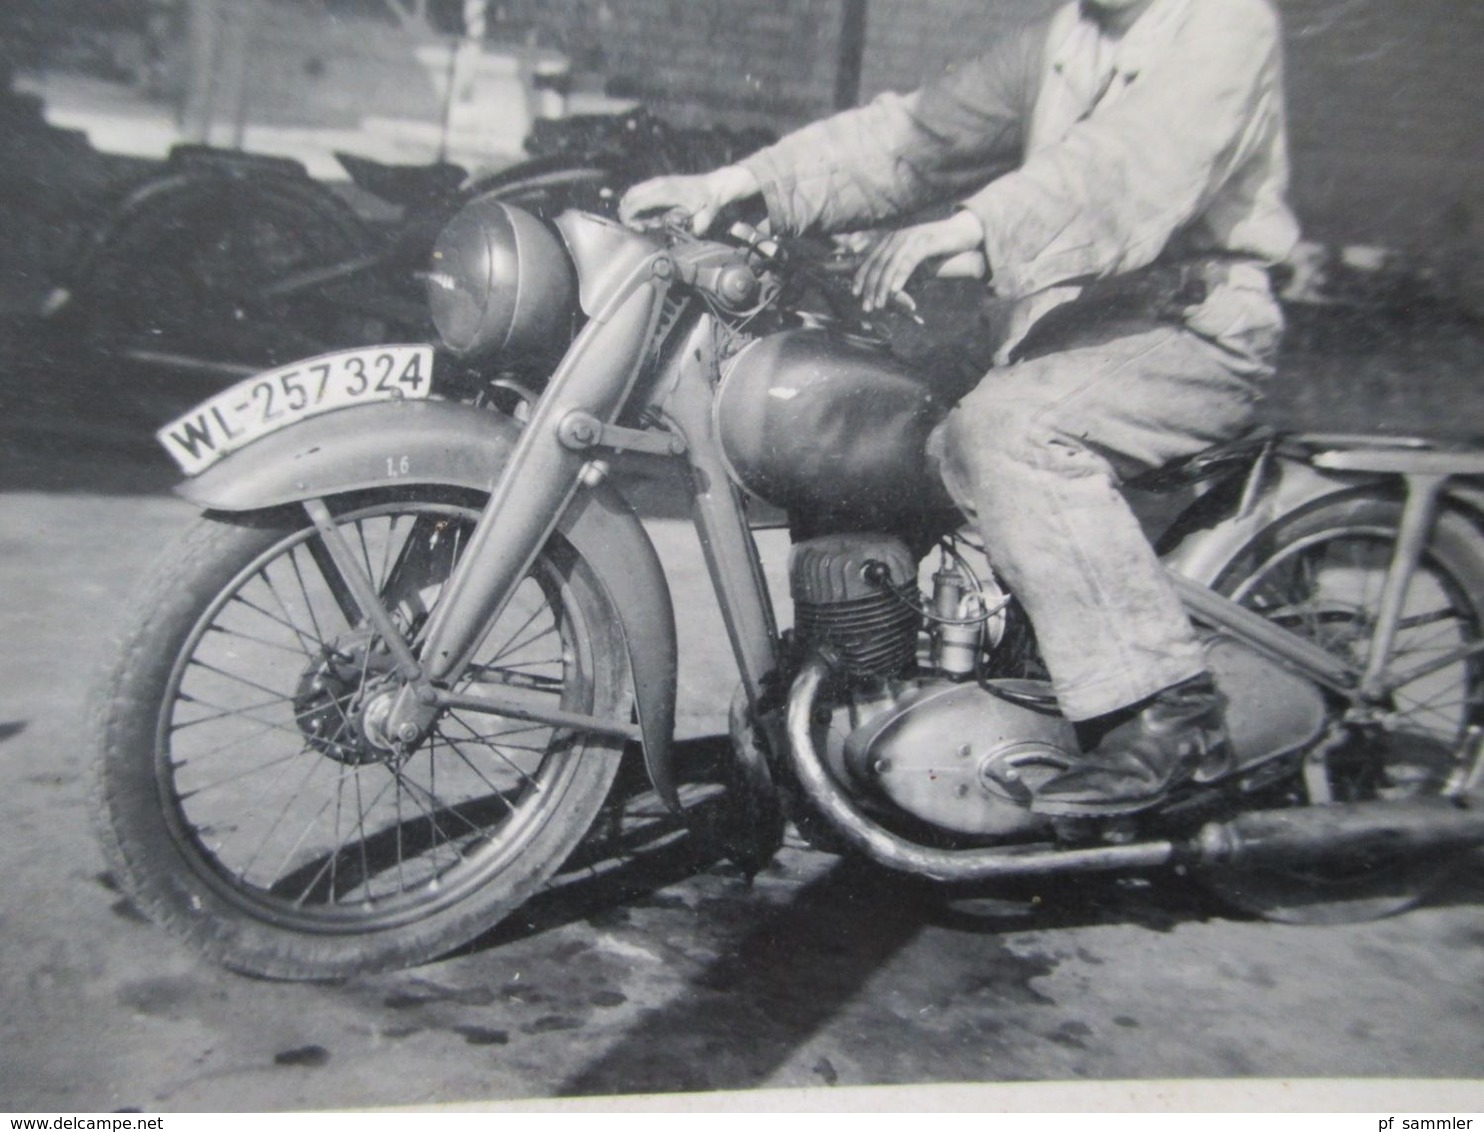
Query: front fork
{"x": 551, "y": 461}
{"x": 536, "y": 486}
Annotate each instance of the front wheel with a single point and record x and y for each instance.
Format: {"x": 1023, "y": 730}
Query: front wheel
{"x": 1319, "y": 574}
{"x": 241, "y": 801}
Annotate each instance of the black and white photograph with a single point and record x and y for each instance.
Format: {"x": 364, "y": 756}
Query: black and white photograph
{"x": 830, "y": 555}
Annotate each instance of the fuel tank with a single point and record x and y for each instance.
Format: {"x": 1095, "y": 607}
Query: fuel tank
{"x": 832, "y": 429}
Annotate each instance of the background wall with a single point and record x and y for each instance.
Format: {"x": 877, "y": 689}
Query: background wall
{"x": 1386, "y": 108}
{"x": 1388, "y": 121}
{"x": 762, "y": 62}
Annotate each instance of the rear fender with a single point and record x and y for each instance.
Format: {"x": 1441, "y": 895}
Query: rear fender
{"x": 1209, "y": 535}
{"x": 185, "y": 184}
{"x": 399, "y": 444}
{"x": 1205, "y": 540}
{"x": 555, "y": 171}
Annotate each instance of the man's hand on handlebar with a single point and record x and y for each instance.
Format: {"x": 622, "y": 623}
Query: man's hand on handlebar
{"x": 698, "y": 198}
{"x": 890, "y": 265}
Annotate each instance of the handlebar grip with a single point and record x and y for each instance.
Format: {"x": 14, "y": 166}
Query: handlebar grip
{"x": 755, "y": 238}
{"x": 744, "y": 233}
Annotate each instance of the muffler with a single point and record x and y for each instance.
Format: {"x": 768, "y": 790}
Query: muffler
{"x": 1410, "y": 827}
{"x": 1289, "y": 837}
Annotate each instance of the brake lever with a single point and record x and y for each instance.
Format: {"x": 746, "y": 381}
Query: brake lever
{"x": 834, "y": 264}
{"x": 675, "y": 222}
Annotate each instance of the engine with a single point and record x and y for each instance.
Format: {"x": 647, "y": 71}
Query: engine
{"x": 847, "y": 599}
{"x": 904, "y": 728}
{"x": 906, "y": 724}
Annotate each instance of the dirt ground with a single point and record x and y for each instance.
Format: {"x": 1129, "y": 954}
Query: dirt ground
{"x": 670, "y": 974}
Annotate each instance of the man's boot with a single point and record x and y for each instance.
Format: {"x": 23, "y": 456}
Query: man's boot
{"x": 1140, "y": 761}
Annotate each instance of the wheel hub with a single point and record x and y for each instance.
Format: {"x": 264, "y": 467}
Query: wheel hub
{"x": 344, "y": 698}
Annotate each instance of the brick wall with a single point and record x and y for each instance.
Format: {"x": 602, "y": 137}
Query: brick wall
{"x": 908, "y": 41}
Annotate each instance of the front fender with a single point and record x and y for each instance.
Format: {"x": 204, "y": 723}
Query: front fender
{"x": 399, "y": 444}
{"x": 388, "y": 444}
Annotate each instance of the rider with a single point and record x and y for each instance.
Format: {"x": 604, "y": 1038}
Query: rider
{"x": 1126, "y": 162}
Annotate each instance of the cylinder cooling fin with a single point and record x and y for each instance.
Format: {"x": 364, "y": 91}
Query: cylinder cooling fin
{"x": 842, "y": 601}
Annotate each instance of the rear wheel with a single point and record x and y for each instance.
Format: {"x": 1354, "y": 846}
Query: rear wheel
{"x": 244, "y": 802}
{"x": 1319, "y": 574}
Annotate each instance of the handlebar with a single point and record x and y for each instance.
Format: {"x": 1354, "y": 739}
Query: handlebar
{"x": 829, "y": 266}
{"x": 839, "y": 261}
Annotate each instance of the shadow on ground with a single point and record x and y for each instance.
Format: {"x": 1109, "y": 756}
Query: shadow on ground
{"x": 789, "y": 970}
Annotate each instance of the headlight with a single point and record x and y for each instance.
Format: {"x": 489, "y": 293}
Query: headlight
{"x": 500, "y": 281}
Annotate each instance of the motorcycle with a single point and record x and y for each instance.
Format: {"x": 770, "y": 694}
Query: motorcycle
{"x": 376, "y": 699}
{"x": 223, "y": 262}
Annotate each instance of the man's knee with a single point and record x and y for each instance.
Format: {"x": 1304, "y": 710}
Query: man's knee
{"x": 987, "y": 427}
{"x": 992, "y": 433}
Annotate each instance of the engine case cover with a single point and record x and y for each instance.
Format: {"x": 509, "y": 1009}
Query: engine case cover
{"x": 962, "y": 758}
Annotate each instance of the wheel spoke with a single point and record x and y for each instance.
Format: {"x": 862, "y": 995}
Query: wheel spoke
{"x": 293, "y": 560}
{"x": 240, "y": 776}
{"x": 361, "y": 830}
{"x": 310, "y": 643}
{"x": 360, "y": 529}
{"x": 453, "y": 745}
{"x": 508, "y": 647}
{"x": 510, "y": 676}
{"x": 432, "y": 806}
{"x": 288, "y": 805}
{"x": 495, "y": 791}
{"x": 527, "y": 642}
{"x": 495, "y": 750}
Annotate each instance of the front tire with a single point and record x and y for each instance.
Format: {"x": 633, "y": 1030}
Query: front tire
{"x": 1318, "y": 573}
{"x": 240, "y": 802}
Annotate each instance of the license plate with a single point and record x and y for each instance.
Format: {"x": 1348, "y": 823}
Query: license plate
{"x": 277, "y": 398}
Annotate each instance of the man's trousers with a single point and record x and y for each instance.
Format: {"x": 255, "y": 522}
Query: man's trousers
{"x": 1035, "y": 455}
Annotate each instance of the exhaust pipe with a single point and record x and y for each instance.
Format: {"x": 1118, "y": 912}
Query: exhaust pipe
{"x": 1304, "y": 835}
{"x": 1411, "y": 827}
{"x": 886, "y": 848}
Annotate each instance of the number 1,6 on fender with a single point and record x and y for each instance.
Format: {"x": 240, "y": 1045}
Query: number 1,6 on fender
{"x": 380, "y": 694}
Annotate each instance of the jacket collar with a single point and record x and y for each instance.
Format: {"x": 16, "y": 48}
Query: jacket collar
{"x": 1149, "y": 36}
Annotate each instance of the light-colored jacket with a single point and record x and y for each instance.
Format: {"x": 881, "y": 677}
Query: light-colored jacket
{"x": 1083, "y": 156}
